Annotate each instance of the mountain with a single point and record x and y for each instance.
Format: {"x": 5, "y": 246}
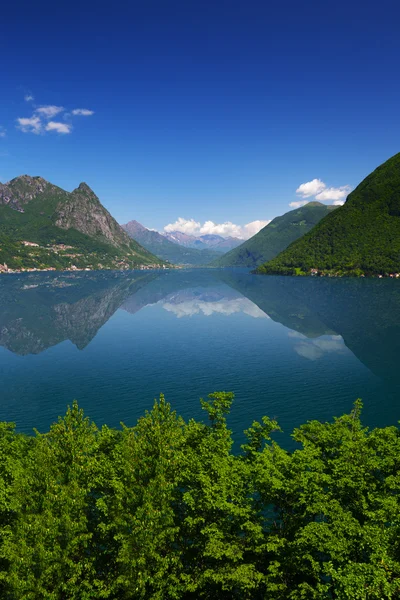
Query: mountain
{"x": 274, "y": 237}
{"x": 226, "y": 244}
{"x": 40, "y": 310}
{"x": 42, "y": 226}
{"x": 166, "y": 249}
{"x": 360, "y": 237}
{"x": 365, "y": 312}
{"x": 217, "y": 242}
{"x": 211, "y": 241}
{"x": 183, "y": 239}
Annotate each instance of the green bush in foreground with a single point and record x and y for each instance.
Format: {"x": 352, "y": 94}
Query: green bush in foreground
{"x": 166, "y": 510}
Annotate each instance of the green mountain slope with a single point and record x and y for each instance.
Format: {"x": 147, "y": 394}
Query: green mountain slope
{"x": 275, "y": 237}
{"x": 167, "y": 250}
{"x": 365, "y": 312}
{"x": 361, "y": 237}
{"x": 43, "y": 226}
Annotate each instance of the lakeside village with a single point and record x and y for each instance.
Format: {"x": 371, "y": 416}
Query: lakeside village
{"x": 317, "y": 273}
{"x": 5, "y": 270}
{"x": 121, "y": 265}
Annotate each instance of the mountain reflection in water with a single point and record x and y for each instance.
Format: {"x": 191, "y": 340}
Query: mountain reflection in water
{"x": 224, "y": 332}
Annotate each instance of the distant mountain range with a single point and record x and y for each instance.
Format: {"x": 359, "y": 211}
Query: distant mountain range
{"x": 166, "y": 249}
{"x": 274, "y": 237}
{"x": 202, "y": 242}
{"x": 43, "y": 226}
{"x": 360, "y": 237}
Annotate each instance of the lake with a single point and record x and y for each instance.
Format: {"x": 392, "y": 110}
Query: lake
{"x": 291, "y": 348}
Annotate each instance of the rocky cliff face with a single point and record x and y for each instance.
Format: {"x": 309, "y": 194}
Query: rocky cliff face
{"x": 41, "y": 311}
{"x": 82, "y": 210}
{"x": 51, "y": 215}
{"x": 19, "y": 191}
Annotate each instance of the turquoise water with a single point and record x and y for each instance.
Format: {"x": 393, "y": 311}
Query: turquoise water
{"x": 291, "y": 348}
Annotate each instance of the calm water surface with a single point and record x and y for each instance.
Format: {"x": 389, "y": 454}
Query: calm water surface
{"x": 291, "y": 348}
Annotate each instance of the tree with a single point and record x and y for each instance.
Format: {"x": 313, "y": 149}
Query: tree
{"x": 166, "y": 509}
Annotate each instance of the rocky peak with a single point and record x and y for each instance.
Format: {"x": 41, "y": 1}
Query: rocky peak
{"x": 83, "y": 187}
{"x": 6, "y": 195}
{"x": 29, "y": 180}
{"x": 82, "y": 210}
{"x": 26, "y": 187}
{"x": 134, "y": 226}
{"x": 20, "y": 190}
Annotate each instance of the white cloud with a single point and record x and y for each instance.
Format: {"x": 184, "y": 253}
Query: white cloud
{"x": 31, "y": 125}
{"x": 310, "y": 188}
{"x": 41, "y": 120}
{"x": 298, "y": 203}
{"x": 332, "y": 343}
{"x": 2, "y": 132}
{"x": 227, "y": 229}
{"x": 321, "y": 192}
{"x": 188, "y": 308}
{"x": 317, "y": 348}
{"x": 35, "y": 125}
{"x": 189, "y": 226}
{"x": 308, "y": 351}
{"x": 58, "y": 127}
{"x": 333, "y": 193}
{"x": 83, "y": 112}
{"x": 255, "y": 226}
{"x": 49, "y": 111}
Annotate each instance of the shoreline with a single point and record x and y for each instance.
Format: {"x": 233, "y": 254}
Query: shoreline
{"x": 83, "y": 270}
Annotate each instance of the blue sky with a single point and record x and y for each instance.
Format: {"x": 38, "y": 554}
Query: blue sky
{"x": 212, "y": 111}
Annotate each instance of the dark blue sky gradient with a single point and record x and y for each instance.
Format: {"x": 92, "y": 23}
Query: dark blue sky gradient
{"x": 212, "y": 110}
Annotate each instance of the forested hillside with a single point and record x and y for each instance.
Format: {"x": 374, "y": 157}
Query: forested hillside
{"x": 360, "y": 238}
{"x": 165, "y": 509}
{"x": 274, "y": 237}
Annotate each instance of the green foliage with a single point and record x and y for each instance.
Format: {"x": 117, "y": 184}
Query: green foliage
{"x": 361, "y": 237}
{"x": 275, "y": 237}
{"x": 165, "y": 509}
{"x": 50, "y": 217}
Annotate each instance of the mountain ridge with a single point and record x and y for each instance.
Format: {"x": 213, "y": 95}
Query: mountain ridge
{"x": 44, "y": 226}
{"x": 362, "y": 237}
{"x": 211, "y": 241}
{"x": 166, "y": 249}
{"x": 275, "y": 236}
